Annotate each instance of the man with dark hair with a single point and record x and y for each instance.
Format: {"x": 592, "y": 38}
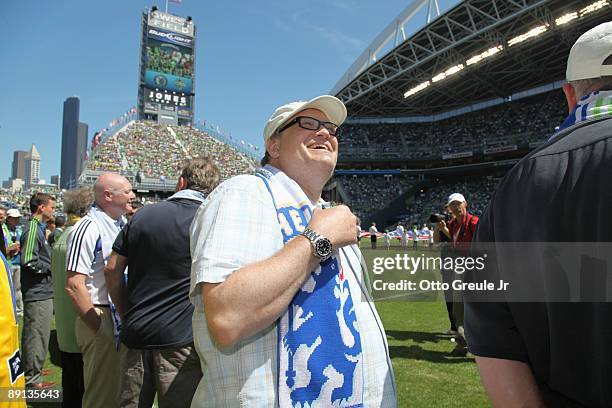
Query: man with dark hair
{"x": 37, "y": 290}
{"x": 154, "y": 304}
{"x": 59, "y": 222}
{"x": 553, "y": 353}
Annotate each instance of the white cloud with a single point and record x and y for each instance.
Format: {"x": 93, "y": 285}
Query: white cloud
{"x": 339, "y": 39}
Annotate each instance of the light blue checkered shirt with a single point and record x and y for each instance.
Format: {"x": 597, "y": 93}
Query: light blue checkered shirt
{"x": 235, "y": 227}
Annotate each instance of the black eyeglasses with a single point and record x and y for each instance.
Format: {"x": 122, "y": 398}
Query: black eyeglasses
{"x": 308, "y": 123}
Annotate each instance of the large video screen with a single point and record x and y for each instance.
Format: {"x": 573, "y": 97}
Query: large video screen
{"x": 168, "y": 66}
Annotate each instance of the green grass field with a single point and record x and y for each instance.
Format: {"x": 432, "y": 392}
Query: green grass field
{"x": 426, "y": 374}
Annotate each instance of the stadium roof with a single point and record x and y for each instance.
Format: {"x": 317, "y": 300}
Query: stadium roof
{"x": 479, "y": 50}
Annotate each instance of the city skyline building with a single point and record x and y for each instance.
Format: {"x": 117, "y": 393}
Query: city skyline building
{"x": 18, "y": 167}
{"x": 74, "y": 143}
{"x": 55, "y": 180}
{"x": 32, "y": 167}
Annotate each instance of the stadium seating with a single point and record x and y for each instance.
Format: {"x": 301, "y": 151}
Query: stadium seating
{"x": 367, "y": 194}
{"x": 158, "y": 151}
{"x": 521, "y": 122}
{"x": 477, "y": 191}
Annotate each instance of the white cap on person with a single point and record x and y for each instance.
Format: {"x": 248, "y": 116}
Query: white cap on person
{"x": 587, "y": 58}
{"x": 13, "y": 213}
{"x": 331, "y": 106}
{"x": 456, "y": 197}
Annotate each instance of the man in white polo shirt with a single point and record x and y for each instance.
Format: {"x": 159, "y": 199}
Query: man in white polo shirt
{"x": 89, "y": 247}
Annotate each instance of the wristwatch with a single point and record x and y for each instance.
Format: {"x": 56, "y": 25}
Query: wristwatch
{"x": 321, "y": 247}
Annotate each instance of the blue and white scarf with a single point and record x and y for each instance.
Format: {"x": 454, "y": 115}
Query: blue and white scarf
{"x": 320, "y": 362}
{"x": 595, "y": 105}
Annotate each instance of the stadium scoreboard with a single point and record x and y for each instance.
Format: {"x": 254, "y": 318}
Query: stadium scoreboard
{"x": 166, "y": 87}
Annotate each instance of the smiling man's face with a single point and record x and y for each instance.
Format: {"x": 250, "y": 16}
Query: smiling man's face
{"x": 302, "y": 150}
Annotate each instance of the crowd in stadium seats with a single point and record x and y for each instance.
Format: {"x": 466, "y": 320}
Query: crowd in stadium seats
{"x": 477, "y": 191}
{"x": 151, "y": 150}
{"x": 367, "y": 194}
{"x": 10, "y": 199}
{"x": 107, "y": 156}
{"x": 154, "y": 150}
{"x": 370, "y": 193}
{"x": 229, "y": 161}
{"x": 517, "y": 123}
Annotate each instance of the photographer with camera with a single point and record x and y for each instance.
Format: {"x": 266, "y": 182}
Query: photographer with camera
{"x": 459, "y": 232}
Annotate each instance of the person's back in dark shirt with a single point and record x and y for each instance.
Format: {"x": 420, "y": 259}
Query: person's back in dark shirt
{"x": 559, "y": 193}
{"x": 156, "y": 243}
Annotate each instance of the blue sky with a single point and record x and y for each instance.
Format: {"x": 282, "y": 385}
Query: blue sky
{"x": 251, "y": 56}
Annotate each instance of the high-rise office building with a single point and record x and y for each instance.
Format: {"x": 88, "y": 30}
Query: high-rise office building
{"x": 74, "y": 143}
{"x": 55, "y": 180}
{"x": 18, "y": 169}
{"x": 32, "y": 167}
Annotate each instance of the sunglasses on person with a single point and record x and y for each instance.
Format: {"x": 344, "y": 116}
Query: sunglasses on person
{"x": 308, "y": 123}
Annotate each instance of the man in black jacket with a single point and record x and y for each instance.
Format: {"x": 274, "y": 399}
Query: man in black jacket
{"x": 37, "y": 290}
{"x": 553, "y": 352}
{"x": 154, "y": 305}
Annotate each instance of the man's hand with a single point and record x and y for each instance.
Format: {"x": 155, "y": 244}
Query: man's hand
{"x": 13, "y": 250}
{"x": 337, "y": 224}
{"x": 77, "y": 291}
{"x": 93, "y": 320}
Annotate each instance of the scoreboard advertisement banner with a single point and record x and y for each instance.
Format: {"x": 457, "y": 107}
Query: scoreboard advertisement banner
{"x": 169, "y": 37}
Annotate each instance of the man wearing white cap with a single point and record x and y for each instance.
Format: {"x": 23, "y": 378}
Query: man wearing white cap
{"x": 460, "y": 231}
{"x": 282, "y": 317}
{"x": 554, "y": 353}
{"x": 12, "y": 234}
{"x": 461, "y": 228}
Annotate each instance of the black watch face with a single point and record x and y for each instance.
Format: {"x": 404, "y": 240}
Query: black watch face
{"x": 323, "y": 248}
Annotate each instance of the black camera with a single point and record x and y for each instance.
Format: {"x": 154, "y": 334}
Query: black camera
{"x": 437, "y": 217}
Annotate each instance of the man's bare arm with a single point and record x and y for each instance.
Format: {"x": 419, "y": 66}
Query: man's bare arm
{"x": 255, "y": 296}
{"x": 509, "y": 383}
{"x": 75, "y": 287}
{"x": 115, "y": 281}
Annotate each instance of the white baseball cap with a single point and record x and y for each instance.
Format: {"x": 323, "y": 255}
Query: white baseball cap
{"x": 456, "y": 197}
{"x": 13, "y": 212}
{"x": 588, "y": 54}
{"x": 331, "y": 106}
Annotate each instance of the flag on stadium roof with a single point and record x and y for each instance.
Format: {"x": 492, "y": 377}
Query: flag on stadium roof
{"x": 175, "y": 1}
